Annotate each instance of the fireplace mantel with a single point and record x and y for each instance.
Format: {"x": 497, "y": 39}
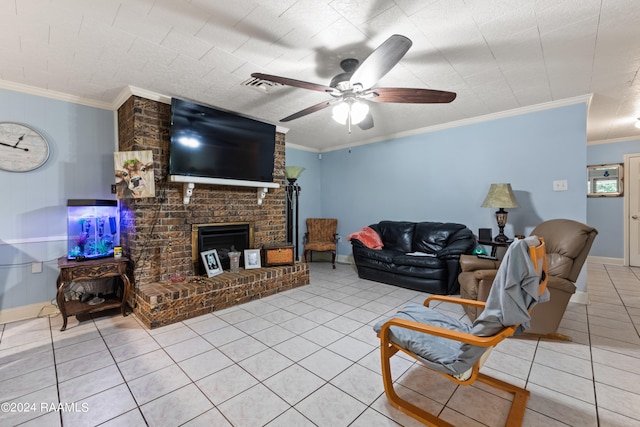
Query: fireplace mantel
{"x": 191, "y": 181}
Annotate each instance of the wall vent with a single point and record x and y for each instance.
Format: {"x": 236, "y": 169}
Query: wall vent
{"x": 260, "y": 85}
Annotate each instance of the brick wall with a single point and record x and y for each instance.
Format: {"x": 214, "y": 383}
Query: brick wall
{"x": 156, "y": 231}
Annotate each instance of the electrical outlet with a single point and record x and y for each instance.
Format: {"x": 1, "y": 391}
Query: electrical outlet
{"x": 560, "y": 185}
{"x": 36, "y": 267}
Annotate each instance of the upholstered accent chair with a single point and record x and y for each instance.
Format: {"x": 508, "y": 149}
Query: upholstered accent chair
{"x": 568, "y": 243}
{"x": 321, "y": 236}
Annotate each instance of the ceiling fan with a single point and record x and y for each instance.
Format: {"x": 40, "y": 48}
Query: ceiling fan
{"x": 355, "y": 85}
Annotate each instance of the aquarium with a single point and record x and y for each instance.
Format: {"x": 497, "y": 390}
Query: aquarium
{"x": 93, "y": 228}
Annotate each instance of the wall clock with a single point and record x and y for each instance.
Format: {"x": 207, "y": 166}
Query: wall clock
{"x": 22, "y": 148}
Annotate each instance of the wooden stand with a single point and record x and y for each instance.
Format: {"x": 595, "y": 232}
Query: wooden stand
{"x": 88, "y": 270}
{"x": 495, "y": 245}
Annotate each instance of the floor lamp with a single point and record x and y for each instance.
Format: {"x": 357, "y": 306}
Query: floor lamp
{"x": 292, "y": 173}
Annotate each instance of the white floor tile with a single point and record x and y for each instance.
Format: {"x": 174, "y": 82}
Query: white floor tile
{"x": 309, "y": 357}
{"x": 157, "y": 384}
{"x": 162, "y": 411}
{"x": 330, "y": 407}
{"x": 265, "y": 406}
{"x": 294, "y": 383}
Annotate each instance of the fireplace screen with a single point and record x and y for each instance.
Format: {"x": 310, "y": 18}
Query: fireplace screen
{"x": 224, "y": 238}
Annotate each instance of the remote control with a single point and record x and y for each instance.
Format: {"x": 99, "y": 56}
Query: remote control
{"x": 488, "y": 257}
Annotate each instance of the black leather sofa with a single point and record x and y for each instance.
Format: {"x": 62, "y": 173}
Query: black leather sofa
{"x": 433, "y": 268}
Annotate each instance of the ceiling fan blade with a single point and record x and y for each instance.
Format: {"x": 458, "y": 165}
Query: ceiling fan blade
{"x": 410, "y": 96}
{"x": 381, "y": 61}
{"x": 366, "y": 123}
{"x": 312, "y": 109}
{"x": 294, "y": 82}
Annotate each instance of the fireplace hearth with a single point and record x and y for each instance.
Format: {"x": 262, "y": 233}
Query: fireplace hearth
{"x": 224, "y": 238}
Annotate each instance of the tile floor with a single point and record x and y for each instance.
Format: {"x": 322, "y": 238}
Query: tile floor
{"x": 308, "y": 357}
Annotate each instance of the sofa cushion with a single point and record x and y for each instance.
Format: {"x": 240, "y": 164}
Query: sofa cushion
{"x": 436, "y": 272}
{"x": 396, "y": 235}
{"x": 418, "y": 261}
{"x": 382, "y": 255}
{"x": 431, "y": 237}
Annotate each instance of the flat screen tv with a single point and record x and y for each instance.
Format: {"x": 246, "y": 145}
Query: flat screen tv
{"x": 210, "y": 143}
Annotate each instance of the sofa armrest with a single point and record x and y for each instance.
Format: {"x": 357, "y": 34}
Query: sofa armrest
{"x": 486, "y": 275}
{"x": 356, "y": 243}
{"x": 456, "y": 249}
{"x": 473, "y": 263}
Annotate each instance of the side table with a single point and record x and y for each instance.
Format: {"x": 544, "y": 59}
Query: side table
{"x": 495, "y": 245}
{"x": 87, "y": 270}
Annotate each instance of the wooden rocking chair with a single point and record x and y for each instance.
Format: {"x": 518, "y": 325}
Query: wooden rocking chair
{"x": 420, "y": 331}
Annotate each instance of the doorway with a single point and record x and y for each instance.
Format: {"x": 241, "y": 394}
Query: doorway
{"x": 632, "y": 209}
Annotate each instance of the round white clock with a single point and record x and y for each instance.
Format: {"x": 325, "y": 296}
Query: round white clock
{"x": 22, "y": 148}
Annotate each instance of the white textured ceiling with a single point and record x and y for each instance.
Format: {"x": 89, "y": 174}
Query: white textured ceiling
{"x": 497, "y": 55}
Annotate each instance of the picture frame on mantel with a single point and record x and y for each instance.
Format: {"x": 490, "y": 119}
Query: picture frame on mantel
{"x": 211, "y": 262}
{"x": 252, "y": 259}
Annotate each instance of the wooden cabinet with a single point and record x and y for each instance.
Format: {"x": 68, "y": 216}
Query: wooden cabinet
{"x": 71, "y": 271}
{"x": 275, "y": 254}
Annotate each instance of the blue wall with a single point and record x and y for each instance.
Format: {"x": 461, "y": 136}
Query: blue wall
{"x": 607, "y": 213}
{"x": 33, "y": 225}
{"x": 445, "y": 175}
{"x": 310, "y": 182}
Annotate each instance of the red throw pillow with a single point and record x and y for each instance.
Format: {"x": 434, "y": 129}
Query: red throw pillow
{"x": 368, "y": 237}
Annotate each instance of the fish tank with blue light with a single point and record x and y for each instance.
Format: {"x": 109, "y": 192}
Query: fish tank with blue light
{"x": 93, "y": 228}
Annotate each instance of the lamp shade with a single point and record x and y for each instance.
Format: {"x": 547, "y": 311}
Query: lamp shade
{"x": 500, "y": 196}
{"x": 293, "y": 172}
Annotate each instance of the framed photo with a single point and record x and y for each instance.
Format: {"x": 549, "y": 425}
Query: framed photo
{"x": 251, "y": 258}
{"x": 211, "y": 262}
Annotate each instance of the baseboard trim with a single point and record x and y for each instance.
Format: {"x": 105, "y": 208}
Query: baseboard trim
{"x": 27, "y": 312}
{"x": 344, "y": 259}
{"x": 580, "y": 297}
{"x": 605, "y": 260}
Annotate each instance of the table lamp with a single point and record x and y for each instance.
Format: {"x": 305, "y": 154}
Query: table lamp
{"x": 500, "y": 196}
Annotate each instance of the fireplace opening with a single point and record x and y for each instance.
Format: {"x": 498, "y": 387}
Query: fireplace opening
{"x": 223, "y": 238}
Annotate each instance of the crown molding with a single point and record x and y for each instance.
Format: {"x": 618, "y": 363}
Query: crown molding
{"x": 300, "y": 147}
{"x": 614, "y": 140}
{"x": 52, "y": 94}
{"x": 129, "y": 91}
{"x": 473, "y": 120}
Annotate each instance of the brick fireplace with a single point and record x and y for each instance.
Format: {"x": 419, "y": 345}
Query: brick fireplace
{"x": 222, "y": 237}
{"x": 156, "y": 232}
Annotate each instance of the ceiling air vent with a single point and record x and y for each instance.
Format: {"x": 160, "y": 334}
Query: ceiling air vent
{"x": 260, "y": 85}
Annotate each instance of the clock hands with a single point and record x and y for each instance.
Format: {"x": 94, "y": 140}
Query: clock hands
{"x": 19, "y": 141}
{"x": 16, "y": 144}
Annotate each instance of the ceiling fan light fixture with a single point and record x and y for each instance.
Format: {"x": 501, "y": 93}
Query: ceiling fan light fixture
{"x": 359, "y": 111}
{"x": 341, "y": 113}
{"x": 637, "y": 124}
{"x": 354, "y": 110}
